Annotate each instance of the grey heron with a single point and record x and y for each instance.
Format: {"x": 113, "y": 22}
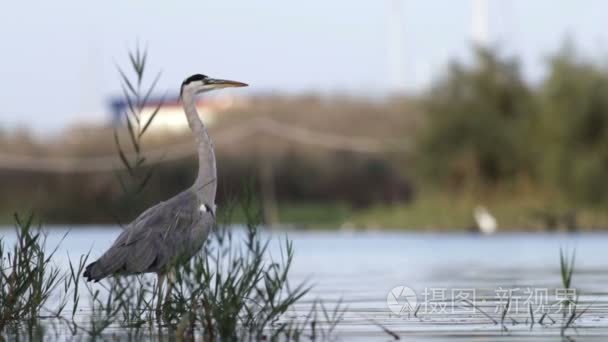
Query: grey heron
{"x": 177, "y": 228}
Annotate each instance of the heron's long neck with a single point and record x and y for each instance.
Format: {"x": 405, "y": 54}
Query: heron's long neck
{"x": 206, "y": 182}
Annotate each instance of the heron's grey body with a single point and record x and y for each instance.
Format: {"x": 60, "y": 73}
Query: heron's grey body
{"x": 166, "y": 233}
{"x": 174, "y": 230}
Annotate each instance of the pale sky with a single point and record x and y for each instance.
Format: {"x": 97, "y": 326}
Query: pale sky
{"x": 57, "y": 57}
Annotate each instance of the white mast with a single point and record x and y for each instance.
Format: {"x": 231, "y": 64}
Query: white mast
{"x": 395, "y": 49}
{"x": 479, "y": 23}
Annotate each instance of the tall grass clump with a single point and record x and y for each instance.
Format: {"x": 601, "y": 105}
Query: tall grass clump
{"x": 236, "y": 289}
{"x": 27, "y": 276}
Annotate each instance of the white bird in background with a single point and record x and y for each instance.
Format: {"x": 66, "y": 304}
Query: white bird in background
{"x": 486, "y": 223}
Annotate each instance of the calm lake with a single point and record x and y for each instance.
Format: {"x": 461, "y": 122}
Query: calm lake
{"x": 430, "y": 286}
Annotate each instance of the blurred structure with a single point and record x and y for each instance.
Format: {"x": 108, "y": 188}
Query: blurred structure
{"x": 170, "y": 118}
{"x": 321, "y": 156}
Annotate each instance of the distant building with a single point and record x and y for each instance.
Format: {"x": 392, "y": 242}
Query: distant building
{"x": 170, "y": 118}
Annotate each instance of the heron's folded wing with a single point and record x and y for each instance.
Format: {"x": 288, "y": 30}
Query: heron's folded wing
{"x": 153, "y": 239}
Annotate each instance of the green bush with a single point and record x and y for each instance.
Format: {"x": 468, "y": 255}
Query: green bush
{"x": 478, "y": 127}
{"x": 575, "y": 127}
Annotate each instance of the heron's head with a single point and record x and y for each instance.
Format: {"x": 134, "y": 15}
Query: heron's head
{"x": 201, "y": 83}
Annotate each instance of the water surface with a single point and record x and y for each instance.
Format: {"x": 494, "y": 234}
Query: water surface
{"x": 361, "y": 269}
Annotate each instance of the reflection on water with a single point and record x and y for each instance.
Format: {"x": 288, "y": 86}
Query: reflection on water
{"x": 361, "y": 269}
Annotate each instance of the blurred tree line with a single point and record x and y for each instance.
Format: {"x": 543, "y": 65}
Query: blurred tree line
{"x": 488, "y": 130}
{"x": 481, "y": 132}
{"x": 310, "y": 184}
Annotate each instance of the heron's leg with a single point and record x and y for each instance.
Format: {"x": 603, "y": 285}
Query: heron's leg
{"x": 170, "y": 281}
{"x": 159, "y": 293}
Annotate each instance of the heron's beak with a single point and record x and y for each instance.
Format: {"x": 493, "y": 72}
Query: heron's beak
{"x": 217, "y": 83}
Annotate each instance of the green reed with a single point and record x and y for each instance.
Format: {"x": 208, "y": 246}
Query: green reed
{"x": 235, "y": 290}
{"x": 27, "y": 276}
